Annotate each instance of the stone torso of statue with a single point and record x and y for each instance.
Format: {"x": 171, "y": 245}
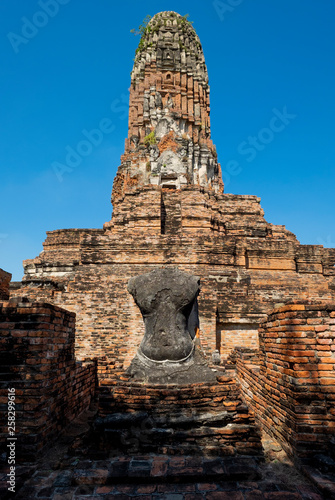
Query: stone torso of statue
{"x": 166, "y": 298}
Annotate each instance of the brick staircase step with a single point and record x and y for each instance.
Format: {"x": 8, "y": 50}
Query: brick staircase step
{"x": 166, "y": 469}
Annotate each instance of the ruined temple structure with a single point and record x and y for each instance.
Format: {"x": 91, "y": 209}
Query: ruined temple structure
{"x": 169, "y": 209}
{"x": 182, "y": 275}
{"x": 169, "y": 142}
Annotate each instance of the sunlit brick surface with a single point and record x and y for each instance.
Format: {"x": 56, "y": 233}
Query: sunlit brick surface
{"x": 292, "y": 386}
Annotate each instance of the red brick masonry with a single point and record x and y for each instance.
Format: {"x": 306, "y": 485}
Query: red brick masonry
{"x": 37, "y": 359}
{"x": 245, "y": 264}
{"x": 230, "y": 428}
{"x": 292, "y": 389}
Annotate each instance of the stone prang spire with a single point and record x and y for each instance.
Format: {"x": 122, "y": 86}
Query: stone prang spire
{"x": 169, "y": 139}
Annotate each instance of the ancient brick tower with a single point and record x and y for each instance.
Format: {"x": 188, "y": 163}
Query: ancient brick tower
{"x": 169, "y": 142}
{"x": 169, "y": 209}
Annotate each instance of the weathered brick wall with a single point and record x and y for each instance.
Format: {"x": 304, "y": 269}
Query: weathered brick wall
{"x": 4, "y": 284}
{"x": 37, "y": 359}
{"x": 292, "y": 388}
{"x": 245, "y": 264}
{"x": 230, "y": 335}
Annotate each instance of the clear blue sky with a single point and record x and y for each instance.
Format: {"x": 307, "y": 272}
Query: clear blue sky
{"x": 73, "y": 71}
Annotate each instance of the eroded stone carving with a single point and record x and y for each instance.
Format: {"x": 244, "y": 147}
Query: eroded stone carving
{"x": 167, "y": 300}
{"x": 154, "y": 152}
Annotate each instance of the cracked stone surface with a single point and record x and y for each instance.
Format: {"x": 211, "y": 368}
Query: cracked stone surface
{"x": 167, "y": 353}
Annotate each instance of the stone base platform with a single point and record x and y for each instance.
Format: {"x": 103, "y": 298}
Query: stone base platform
{"x": 205, "y": 419}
